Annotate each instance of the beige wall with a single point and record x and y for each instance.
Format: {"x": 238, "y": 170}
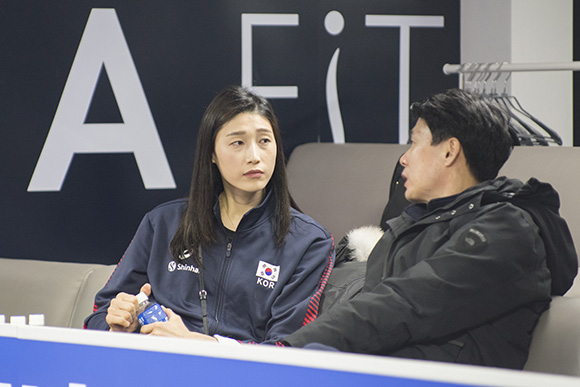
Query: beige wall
{"x": 525, "y": 31}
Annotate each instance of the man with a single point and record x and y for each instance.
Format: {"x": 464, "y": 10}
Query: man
{"x": 463, "y": 274}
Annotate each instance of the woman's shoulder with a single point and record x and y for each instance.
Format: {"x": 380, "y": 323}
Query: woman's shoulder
{"x": 173, "y": 208}
{"x": 307, "y": 224}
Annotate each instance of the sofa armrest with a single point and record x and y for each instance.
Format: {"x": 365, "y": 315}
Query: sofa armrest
{"x": 94, "y": 281}
{"x": 59, "y": 290}
{"x": 555, "y": 344}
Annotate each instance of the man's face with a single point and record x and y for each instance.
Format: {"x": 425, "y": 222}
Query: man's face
{"x": 424, "y": 166}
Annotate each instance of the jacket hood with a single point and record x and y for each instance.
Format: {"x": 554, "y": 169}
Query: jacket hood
{"x": 542, "y": 202}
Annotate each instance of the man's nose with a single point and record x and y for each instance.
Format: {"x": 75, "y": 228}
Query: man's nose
{"x": 403, "y": 160}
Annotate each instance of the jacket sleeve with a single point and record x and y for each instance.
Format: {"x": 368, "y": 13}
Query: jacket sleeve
{"x": 486, "y": 268}
{"x": 129, "y": 275}
{"x": 297, "y": 304}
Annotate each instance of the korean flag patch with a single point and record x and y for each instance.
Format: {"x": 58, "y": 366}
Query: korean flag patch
{"x": 268, "y": 271}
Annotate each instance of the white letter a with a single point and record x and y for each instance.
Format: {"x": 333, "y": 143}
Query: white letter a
{"x": 102, "y": 44}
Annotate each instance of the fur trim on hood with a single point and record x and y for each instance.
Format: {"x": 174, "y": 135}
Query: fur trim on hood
{"x": 362, "y": 240}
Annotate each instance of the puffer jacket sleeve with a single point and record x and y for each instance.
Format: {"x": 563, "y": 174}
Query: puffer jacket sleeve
{"x": 489, "y": 266}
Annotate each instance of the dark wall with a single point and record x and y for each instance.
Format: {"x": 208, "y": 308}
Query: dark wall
{"x": 100, "y": 100}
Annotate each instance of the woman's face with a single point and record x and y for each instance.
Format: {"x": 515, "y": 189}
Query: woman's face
{"x": 245, "y": 154}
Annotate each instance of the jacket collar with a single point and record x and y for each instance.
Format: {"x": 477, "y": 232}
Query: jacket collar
{"x": 442, "y": 209}
{"x": 253, "y": 217}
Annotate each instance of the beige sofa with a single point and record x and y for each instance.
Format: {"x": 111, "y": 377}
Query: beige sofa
{"x": 64, "y": 292}
{"x": 343, "y": 187}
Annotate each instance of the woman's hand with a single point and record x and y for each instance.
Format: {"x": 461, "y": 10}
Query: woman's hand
{"x": 122, "y": 313}
{"x": 173, "y": 327}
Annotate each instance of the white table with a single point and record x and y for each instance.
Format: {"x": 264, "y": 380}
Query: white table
{"x": 62, "y": 357}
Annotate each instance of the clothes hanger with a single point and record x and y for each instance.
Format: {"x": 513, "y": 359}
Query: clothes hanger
{"x": 534, "y": 134}
{"x": 520, "y": 114}
{"x": 519, "y": 108}
{"x": 518, "y": 132}
{"x": 522, "y": 119}
{"x": 507, "y": 99}
{"x": 524, "y": 128}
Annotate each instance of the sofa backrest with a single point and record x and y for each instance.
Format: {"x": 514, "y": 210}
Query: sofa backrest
{"x": 62, "y": 291}
{"x": 343, "y": 186}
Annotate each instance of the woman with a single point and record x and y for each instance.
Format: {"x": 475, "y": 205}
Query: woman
{"x": 239, "y": 237}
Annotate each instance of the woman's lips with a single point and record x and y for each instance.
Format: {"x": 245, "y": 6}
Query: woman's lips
{"x": 254, "y": 173}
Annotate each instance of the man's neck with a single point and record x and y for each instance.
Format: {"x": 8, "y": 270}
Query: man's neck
{"x": 457, "y": 182}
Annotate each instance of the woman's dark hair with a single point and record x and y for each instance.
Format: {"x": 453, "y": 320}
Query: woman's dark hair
{"x": 480, "y": 126}
{"x": 197, "y": 225}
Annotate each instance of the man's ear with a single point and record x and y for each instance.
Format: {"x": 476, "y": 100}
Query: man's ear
{"x": 453, "y": 150}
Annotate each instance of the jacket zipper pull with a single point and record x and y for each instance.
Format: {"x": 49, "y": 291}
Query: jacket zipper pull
{"x": 229, "y": 249}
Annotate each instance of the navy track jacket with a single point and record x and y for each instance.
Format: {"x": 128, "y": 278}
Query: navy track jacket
{"x": 256, "y": 291}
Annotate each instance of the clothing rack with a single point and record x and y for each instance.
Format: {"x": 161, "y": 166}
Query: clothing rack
{"x": 524, "y": 127}
{"x": 481, "y": 68}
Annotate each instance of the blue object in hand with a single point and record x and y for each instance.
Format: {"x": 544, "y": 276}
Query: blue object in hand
{"x": 149, "y": 312}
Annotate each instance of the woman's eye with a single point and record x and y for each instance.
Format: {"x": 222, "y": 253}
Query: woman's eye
{"x": 237, "y": 143}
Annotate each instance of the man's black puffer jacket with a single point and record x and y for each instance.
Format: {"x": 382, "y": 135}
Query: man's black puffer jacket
{"x": 462, "y": 279}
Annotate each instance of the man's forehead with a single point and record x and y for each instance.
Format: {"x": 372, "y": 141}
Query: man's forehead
{"x": 420, "y": 128}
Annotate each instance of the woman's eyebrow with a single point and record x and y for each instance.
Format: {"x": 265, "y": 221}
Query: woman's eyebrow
{"x": 237, "y": 133}
{"x": 242, "y": 132}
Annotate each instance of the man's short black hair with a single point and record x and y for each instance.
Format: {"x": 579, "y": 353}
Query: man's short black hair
{"x": 480, "y": 125}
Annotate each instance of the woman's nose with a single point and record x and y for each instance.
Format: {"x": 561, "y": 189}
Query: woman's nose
{"x": 253, "y": 154}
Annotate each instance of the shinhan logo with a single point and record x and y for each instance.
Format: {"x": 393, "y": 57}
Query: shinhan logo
{"x": 172, "y": 266}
